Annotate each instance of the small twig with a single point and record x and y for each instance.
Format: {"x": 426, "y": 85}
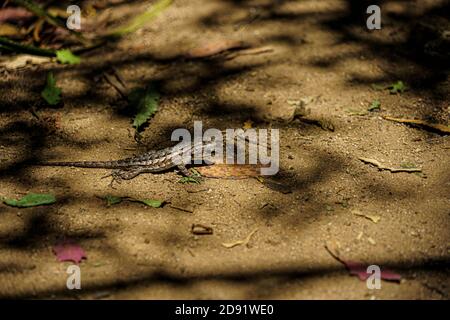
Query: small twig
{"x": 240, "y": 242}
{"x": 382, "y": 167}
{"x": 22, "y": 48}
{"x": 441, "y": 128}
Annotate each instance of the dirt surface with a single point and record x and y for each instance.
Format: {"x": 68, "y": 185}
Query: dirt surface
{"x": 322, "y": 53}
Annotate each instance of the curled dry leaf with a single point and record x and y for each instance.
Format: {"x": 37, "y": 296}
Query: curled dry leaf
{"x": 200, "y": 229}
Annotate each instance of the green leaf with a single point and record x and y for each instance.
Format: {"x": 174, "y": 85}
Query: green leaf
{"x": 189, "y": 180}
{"x": 194, "y": 178}
{"x": 31, "y": 200}
{"x": 51, "y": 93}
{"x": 375, "y": 105}
{"x": 145, "y": 102}
{"x": 151, "y": 202}
{"x": 66, "y": 56}
{"x": 112, "y": 200}
{"x": 397, "y": 87}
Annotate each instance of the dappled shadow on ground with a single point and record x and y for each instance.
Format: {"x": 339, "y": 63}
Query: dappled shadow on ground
{"x": 179, "y": 76}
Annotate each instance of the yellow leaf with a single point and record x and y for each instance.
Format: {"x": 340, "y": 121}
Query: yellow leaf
{"x": 247, "y": 124}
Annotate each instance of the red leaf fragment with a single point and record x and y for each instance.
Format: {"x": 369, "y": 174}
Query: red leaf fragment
{"x": 68, "y": 251}
{"x": 360, "y": 270}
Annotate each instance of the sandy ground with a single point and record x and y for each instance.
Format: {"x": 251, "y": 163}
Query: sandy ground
{"x": 321, "y": 53}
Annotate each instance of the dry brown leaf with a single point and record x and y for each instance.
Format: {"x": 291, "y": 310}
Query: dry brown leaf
{"x": 214, "y": 48}
{"x": 200, "y": 229}
{"x": 377, "y": 164}
{"x": 433, "y": 126}
{"x": 240, "y": 242}
{"x": 21, "y": 61}
{"x": 9, "y": 30}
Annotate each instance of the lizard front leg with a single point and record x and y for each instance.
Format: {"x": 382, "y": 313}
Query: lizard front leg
{"x": 124, "y": 174}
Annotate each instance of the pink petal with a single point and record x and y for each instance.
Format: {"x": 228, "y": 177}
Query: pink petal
{"x": 67, "y": 251}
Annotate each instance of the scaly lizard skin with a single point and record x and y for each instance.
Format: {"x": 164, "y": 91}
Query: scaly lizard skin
{"x": 150, "y": 162}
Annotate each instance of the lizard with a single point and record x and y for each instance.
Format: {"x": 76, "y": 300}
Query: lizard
{"x": 153, "y": 161}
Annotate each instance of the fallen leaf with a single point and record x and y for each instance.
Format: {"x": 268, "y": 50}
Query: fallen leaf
{"x": 51, "y": 93}
{"x": 240, "y": 242}
{"x": 441, "y": 128}
{"x": 185, "y": 180}
{"x": 112, "y": 200}
{"x": 69, "y": 251}
{"x": 10, "y": 30}
{"x": 375, "y": 105}
{"x": 31, "y": 200}
{"x": 213, "y": 48}
{"x": 360, "y": 269}
{"x": 145, "y": 102}
{"x": 151, "y": 202}
{"x": 247, "y": 125}
{"x": 373, "y": 218}
{"x": 21, "y": 60}
{"x": 66, "y": 56}
{"x": 398, "y": 87}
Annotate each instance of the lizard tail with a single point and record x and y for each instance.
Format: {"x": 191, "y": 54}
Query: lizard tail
{"x": 85, "y": 164}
